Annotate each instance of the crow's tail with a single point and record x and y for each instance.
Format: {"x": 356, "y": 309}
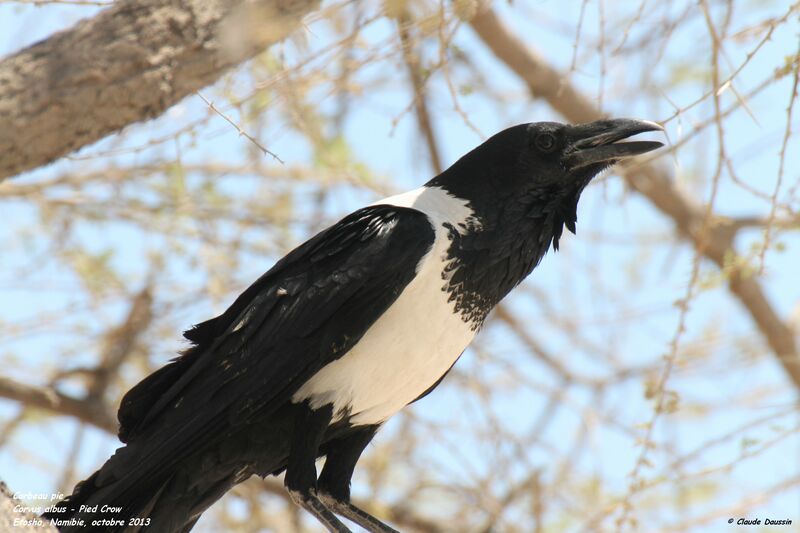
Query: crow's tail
{"x": 137, "y": 490}
{"x": 168, "y": 502}
{"x": 102, "y": 504}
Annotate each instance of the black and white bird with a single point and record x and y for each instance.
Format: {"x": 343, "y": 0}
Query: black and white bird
{"x": 363, "y": 319}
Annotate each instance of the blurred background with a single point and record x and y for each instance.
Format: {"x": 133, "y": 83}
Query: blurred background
{"x": 644, "y": 378}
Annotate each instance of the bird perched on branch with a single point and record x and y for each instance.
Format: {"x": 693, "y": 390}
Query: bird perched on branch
{"x": 363, "y": 319}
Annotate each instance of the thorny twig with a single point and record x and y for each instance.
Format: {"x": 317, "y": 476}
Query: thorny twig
{"x": 239, "y": 128}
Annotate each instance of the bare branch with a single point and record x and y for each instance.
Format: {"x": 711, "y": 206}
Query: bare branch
{"x": 411, "y": 59}
{"x": 120, "y": 342}
{"x": 243, "y": 133}
{"x": 786, "y": 134}
{"x": 91, "y": 412}
{"x": 538, "y": 351}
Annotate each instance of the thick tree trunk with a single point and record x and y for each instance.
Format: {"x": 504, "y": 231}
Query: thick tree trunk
{"x": 129, "y": 63}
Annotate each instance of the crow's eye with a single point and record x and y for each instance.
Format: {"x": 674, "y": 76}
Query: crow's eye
{"x": 545, "y": 142}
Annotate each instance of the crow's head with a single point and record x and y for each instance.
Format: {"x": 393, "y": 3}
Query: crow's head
{"x": 571, "y": 156}
{"x": 537, "y": 171}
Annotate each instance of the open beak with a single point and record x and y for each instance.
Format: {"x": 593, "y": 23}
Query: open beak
{"x": 597, "y": 142}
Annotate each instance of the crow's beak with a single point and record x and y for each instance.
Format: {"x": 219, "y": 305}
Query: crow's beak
{"x": 596, "y": 142}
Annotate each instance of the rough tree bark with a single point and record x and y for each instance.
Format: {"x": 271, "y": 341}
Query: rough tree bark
{"x": 713, "y": 240}
{"x": 129, "y": 63}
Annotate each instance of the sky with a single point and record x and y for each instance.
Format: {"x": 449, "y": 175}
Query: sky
{"x": 397, "y": 151}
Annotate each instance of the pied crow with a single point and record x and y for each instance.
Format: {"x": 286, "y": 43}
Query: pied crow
{"x": 363, "y": 319}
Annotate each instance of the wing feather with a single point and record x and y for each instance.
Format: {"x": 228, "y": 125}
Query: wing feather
{"x": 305, "y": 312}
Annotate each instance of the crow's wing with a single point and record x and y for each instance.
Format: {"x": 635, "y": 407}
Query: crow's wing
{"x": 305, "y": 312}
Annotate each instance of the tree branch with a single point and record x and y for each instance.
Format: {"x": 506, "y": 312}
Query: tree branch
{"x": 127, "y": 64}
{"x": 714, "y": 241}
{"x": 92, "y": 412}
{"x": 412, "y": 61}
{"x": 121, "y": 341}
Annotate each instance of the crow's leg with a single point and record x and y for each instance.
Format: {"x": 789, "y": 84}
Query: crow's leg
{"x": 355, "y": 514}
{"x": 334, "y": 482}
{"x": 301, "y": 473}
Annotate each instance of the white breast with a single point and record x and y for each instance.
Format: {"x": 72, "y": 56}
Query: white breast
{"x": 413, "y": 343}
